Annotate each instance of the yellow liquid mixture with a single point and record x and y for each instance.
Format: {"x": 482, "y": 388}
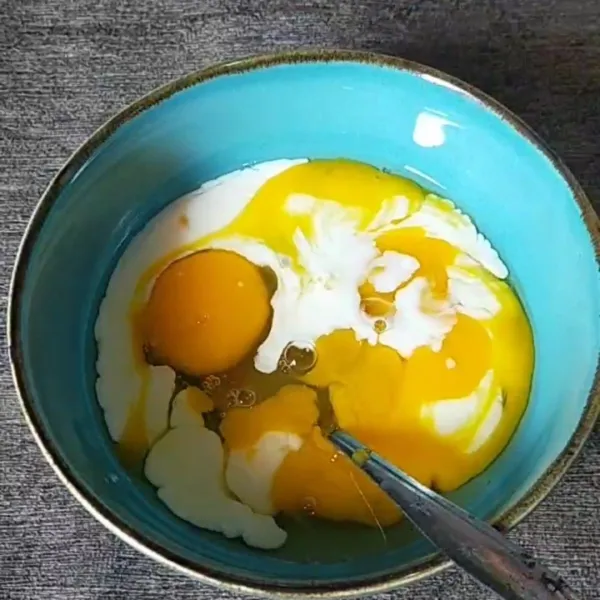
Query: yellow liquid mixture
{"x": 210, "y": 309}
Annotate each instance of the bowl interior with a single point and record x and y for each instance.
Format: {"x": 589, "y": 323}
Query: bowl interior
{"x": 362, "y": 111}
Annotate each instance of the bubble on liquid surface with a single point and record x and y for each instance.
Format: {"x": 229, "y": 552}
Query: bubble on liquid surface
{"x": 298, "y": 357}
{"x": 232, "y": 397}
{"x": 380, "y": 325}
{"x": 246, "y": 398}
{"x": 241, "y": 398}
{"x": 283, "y": 366}
{"x": 210, "y": 384}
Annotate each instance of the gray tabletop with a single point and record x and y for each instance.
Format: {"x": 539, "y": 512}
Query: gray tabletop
{"x": 67, "y": 65}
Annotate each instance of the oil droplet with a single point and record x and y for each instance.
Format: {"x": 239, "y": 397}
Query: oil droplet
{"x": 334, "y": 457}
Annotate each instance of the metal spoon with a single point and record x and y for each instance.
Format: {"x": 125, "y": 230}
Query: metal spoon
{"x": 472, "y": 544}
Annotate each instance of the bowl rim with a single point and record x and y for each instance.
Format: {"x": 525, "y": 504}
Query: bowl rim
{"x": 505, "y": 521}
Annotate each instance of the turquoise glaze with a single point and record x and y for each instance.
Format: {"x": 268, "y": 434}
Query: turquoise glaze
{"x": 354, "y": 106}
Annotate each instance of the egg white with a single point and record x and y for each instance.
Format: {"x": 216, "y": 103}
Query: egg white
{"x": 186, "y": 465}
{"x": 483, "y": 406}
{"x": 456, "y": 228}
{"x": 390, "y": 270}
{"x": 250, "y": 472}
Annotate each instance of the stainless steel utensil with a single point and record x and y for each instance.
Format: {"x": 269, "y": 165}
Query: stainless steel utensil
{"x": 475, "y": 546}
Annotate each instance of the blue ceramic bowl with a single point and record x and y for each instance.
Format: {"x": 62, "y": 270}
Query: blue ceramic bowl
{"x": 319, "y": 104}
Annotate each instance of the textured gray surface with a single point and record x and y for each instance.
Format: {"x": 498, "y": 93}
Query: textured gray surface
{"x": 67, "y": 65}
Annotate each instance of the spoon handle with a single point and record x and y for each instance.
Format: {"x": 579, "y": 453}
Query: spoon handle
{"x": 472, "y": 544}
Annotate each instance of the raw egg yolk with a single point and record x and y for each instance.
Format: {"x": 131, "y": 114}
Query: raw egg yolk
{"x": 379, "y": 398}
{"x": 462, "y": 362}
{"x": 293, "y": 409}
{"x": 205, "y": 313}
{"x": 374, "y": 404}
{"x": 321, "y": 482}
{"x": 367, "y": 395}
{"x": 336, "y": 353}
{"x": 314, "y": 479}
{"x": 368, "y": 403}
{"x": 434, "y": 255}
{"x": 360, "y": 189}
